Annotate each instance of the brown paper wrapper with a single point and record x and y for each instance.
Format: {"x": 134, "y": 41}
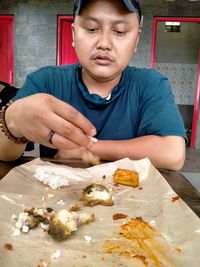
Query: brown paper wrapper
{"x": 174, "y": 240}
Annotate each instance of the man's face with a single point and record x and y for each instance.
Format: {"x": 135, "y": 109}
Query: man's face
{"x": 105, "y": 38}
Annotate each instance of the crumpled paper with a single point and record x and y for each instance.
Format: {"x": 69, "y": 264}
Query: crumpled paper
{"x": 175, "y": 221}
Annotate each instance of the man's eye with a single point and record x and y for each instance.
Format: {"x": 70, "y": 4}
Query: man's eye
{"x": 120, "y": 33}
{"x": 92, "y": 30}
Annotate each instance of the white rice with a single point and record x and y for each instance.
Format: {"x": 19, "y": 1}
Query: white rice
{"x": 50, "y": 178}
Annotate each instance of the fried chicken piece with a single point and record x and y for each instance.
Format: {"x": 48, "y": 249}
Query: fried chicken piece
{"x": 126, "y": 177}
{"x": 64, "y": 223}
{"x": 96, "y": 194}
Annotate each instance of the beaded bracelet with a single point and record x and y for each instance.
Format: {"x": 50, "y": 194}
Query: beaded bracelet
{"x": 4, "y": 128}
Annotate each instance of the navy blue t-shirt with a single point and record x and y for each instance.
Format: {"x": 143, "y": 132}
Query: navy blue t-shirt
{"x": 141, "y": 104}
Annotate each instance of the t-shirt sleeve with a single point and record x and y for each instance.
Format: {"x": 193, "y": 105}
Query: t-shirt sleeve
{"x": 159, "y": 114}
{"x": 35, "y": 82}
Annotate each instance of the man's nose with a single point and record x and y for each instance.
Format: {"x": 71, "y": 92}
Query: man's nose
{"x": 104, "y": 41}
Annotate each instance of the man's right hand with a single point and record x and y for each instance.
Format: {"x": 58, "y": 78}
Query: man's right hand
{"x": 35, "y": 116}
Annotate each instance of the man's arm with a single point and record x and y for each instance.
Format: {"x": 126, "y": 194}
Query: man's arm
{"x": 164, "y": 152}
{"x": 8, "y": 150}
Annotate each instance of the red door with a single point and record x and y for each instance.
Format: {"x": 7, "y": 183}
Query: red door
{"x": 7, "y": 49}
{"x": 65, "y": 51}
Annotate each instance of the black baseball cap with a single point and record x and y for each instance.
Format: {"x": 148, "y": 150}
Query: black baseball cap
{"x": 132, "y": 6}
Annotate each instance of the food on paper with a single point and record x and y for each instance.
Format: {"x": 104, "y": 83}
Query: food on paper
{"x": 126, "y": 177}
{"x": 59, "y": 225}
{"x": 174, "y": 199}
{"x": 50, "y": 178}
{"x": 31, "y": 218}
{"x": 96, "y": 194}
{"x": 119, "y": 216}
{"x": 139, "y": 241}
{"x": 56, "y": 255}
{"x": 64, "y": 223}
{"x": 8, "y": 246}
{"x": 89, "y": 158}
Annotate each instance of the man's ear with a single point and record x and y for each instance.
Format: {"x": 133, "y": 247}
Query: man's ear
{"x": 137, "y": 41}
{"x": 72, "y": 34}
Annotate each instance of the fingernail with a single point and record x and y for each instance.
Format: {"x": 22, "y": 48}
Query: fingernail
{"x": 92, "y": 132}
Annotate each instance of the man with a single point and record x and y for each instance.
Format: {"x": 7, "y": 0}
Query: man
{"x": 130, "y": 111}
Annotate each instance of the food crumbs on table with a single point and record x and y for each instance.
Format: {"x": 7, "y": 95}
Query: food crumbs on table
{"x": 88, "y": 238}
{"x": 119, "y": 216}
{"x": 14, "y": 217}
{"x": 174, "y": 199}
{"x": 140, "y": 188}
{"x": 8, "y": 246}
{"x": 74, "y": 207}
{"x": 42, "y": 263}
{"x": 84, "y": 256}
{"x": 50, "y": 195}
{"x": 178, "y": 250}
{"x": 56, "y": 255}
{"x": 104, "y": 176}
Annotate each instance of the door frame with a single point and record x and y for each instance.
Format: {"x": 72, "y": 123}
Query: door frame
{"x": 152, "y": 65}
{"x": 10, "y": 18}
{"x": 61, "y": 19}
{"x": 196, "y": 108}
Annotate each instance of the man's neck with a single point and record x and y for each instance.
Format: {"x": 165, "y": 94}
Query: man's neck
{"x": 102, "y": 88}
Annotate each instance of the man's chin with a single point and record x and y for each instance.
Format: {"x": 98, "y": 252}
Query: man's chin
{"x": 103, "y": 74}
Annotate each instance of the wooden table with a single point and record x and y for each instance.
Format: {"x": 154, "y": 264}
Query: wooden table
{"x": 176, "y": 180}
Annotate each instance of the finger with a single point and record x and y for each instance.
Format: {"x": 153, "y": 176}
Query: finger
{"x": 70, "y": 114}
{"x": 67, "y": 130}
{"x": 59, "y": 142}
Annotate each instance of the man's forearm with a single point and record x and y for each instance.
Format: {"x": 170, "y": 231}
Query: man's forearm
{"x": 164, "y": 152}
{"x": 8, "y": 150}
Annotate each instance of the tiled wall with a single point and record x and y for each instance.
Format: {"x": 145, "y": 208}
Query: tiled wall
{"x": 183, "y": 80}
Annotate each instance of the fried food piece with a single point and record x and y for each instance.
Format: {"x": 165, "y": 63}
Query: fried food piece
{"x": 31, "y": 218}
{"x": 64, "y": 223}
{"x": 126, "y": 177}
{"x": 89, "y": 158}
{"x": 96, "y": 194}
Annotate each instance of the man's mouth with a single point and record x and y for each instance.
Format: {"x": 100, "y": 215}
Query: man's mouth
{"x": 102, "y": 59}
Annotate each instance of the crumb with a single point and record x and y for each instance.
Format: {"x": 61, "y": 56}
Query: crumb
{"x": 56, "y": 255}
{"x": 119, "y": 216}
{"x": 175, "y": 198}
{"x": 104, "y": 176}
{"x": 16, "y": 232}
{"x": 61, "y": 202}
{"x": 178, "y": 250}
{"x": 84, "y": 256}
{"x": 50, "y": 195}
{"x": 140, "y": 188}
{"x": 14, "y": 217}
{"x": 88, "y": 238}
{"x": 75, "y": 207}
{"x": 42, "y": 263}
{"x": 8, "y": 246}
